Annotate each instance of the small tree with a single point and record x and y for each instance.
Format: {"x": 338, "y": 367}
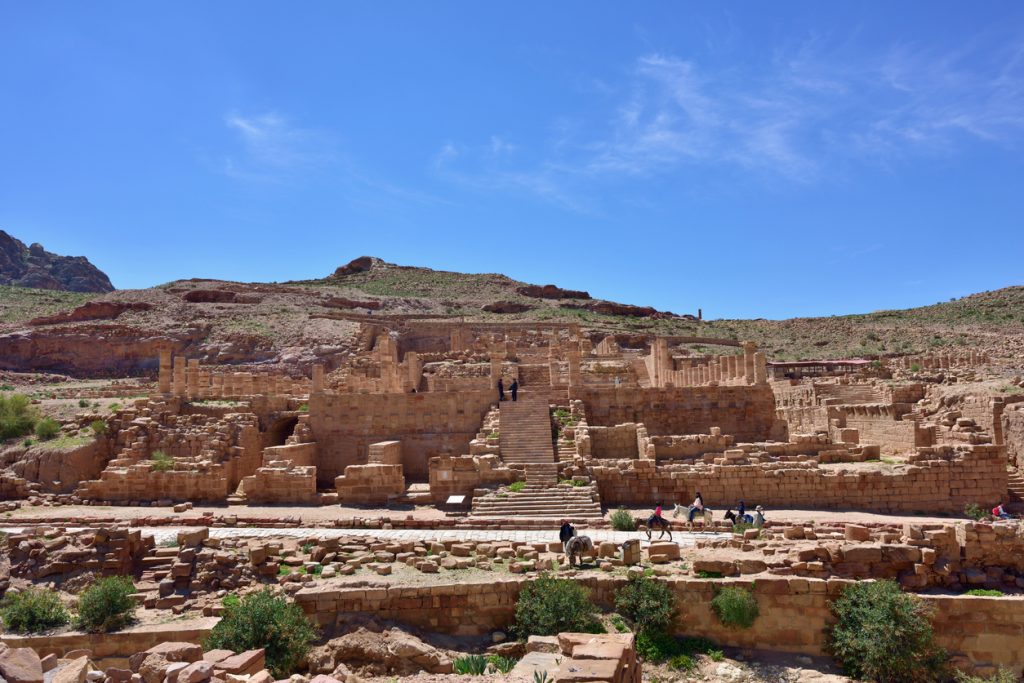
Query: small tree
{"x": 47, "y": 428}
{"x": 735, "y": 607}
{"x": 33, "y": 611}
{"x": 648, "y": 603}
{"x": 622, "y": 521}
{"x": 266, "y": 620}
{"x": 974, "y": 511}
{"x": 550, "y": 606}
{"x": 884, "y": 634}
{"x": 107, "y": 605}
{"x": 16, "y": 416}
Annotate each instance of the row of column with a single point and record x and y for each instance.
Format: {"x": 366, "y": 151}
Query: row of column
{"x": 946, "y": 360}
{"x": 750, "y": 368}
{"x": 187, "y": 379}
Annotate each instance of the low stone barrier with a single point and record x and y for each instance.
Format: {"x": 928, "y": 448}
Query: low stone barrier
{"x": 980, "y": 632}
{"x": 109, "y": 649}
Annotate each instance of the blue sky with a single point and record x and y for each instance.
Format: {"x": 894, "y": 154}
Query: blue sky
{"x": 752, "y": 159}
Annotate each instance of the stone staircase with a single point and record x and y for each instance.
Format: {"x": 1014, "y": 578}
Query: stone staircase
{"x": 542, "y": 497}
{"x": 525, "y": 432}
{"x": 157, "y": 567}
{"x": 1015, "y": 492}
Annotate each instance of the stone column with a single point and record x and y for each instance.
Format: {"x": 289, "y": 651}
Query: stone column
{"x": 192, "y": 378}
{"x": 760, "y": 368}
{"x": 748, "y": 361}
{"x": 179, "y": 375}
{"x": 318, "y": 378}
{"x": 164, "y": 378}
{"x": 575, "y": 371}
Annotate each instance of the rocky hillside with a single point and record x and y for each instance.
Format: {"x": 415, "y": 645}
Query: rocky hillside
{"x": 296, "y": 323}
{"x": 37, "y": 268}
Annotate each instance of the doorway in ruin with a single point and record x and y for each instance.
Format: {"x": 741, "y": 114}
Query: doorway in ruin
{"x": 279, "y": 430}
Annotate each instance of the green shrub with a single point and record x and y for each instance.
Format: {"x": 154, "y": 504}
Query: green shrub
{"x": 974, "y": 511}
{"x": 304, "y": 408}
{"x": 550, "y": 606}
{"x": 517, "y": 486}
{"x": 650, "y": 604}
{"x": 6, "y": 387}
{"x": 501, "y": 664}
{"x": 82, "y": 403}
{"x": 231, "y": 600}
{"x": 986, "y": 592}
{"x": 33, "y": 611}
{"x": 98, "y": 427}
{"x": 659, "y": 646}
{"x": 541, "y": 677}
{"x": 735, "y": 607}
{"x": 1004, "y": 675}
{"x": 107, "y": 605}
{"x": 716, "y": 655}
{"x": 621, "y": 520}
{"x": 473, "y": 665}
{"x": 884, "y": 634}
{"x": 708, "y": 575}
{"x": 915, "y": 367}
{"x": 47, "y": 428}
{"x": 17, "y": 418}
{"x": 682, "y": 663}
{"x": 265, "y": 620}
{"x": 162, "y": 462}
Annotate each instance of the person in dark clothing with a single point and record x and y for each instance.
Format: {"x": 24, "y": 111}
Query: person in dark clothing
{"x": 501, "y": 390}
{"x": 514, "y": 388}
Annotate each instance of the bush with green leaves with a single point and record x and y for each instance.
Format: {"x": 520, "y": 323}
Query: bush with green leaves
{"x": 17, "y": 418}
{"x": 621, "y": 520}
{"x": 98, "y": 427}
{"x": 107, "y": 605}
{"x": 33, "y": 611}
{"x": 660, "y": 646}
{"x": 265, "y": 619}
{"x": 735, "y": 607}
{"x": 162, "y": 462}
{"x": 986, "y": 593}
{"x": 884, "y": 634}
{"x": 47, "y": 428}
{"x": 549, "y": 606}
{"x": 1003, "y": 675}
{"x": 974, "y": 511}
{"x": 517, "y": 486}
{"x": 500, "y": 664}
{"x": 648, "y": 603}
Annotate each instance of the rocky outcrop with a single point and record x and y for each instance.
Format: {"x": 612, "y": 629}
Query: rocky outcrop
{"x": 219, "y": 296}
{"x": 94, "y": 310}
{"x": 551, "y": 292}
{"x": 356, "y": 265}
{"x": 612, "y": 308}
{"x": 371, "y": 653}
{"x": 35, "y": 267}
{"x": 506, "y": 307}
{"x": 343, "y": 303}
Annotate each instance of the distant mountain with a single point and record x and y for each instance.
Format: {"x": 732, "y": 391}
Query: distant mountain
{"x": 37, "y": 268}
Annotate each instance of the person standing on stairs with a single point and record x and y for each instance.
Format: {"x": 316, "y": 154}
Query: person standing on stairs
{"x": 501, "y": 389}
{"x": 514, "y": 389}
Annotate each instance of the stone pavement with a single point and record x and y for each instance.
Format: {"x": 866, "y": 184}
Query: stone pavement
{"x": 163, "y": 534}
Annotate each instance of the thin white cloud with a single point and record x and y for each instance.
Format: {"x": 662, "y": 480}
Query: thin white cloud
{"x": 799, "y": 117}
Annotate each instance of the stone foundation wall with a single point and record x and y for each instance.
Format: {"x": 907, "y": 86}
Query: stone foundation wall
{"x": 613, "y": 442}
{"x": 427, "y": 425}
{"x": 943, "y": 480}
{"x": 746, "y": 412}
{"x": 794, "y": 613}
{"x": 140, "y": 482}
{"x": 878, "y": 424}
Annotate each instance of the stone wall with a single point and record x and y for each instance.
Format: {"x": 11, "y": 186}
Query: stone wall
{"x": 746, "y": 412}
{"x": 113, "y": 649}
{"x": 1012, "y": 423}
{"x": 427, "y": 425}
{"x": 794, "y": 613}
{"x": 613, "y": 442}
{"x": 881, "y": 424}
{"x": 941, "y": 479}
